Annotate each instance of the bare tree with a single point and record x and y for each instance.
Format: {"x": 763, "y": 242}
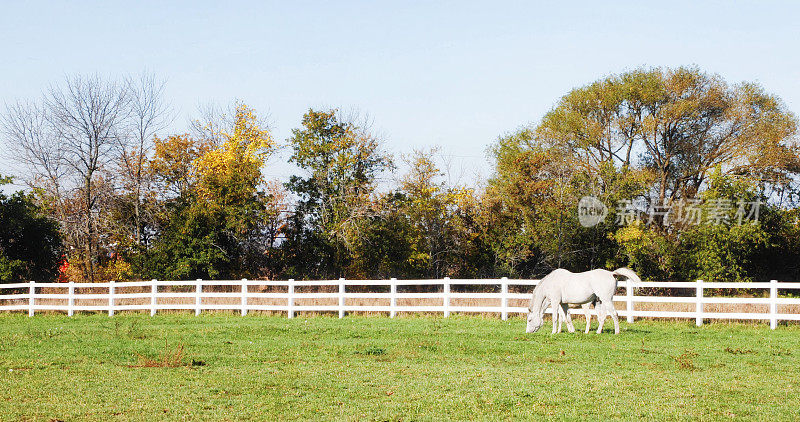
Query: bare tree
{"x": 148, "y": 114}
{"x": 88, "y": 116}
{"x": 33, "y": 144}
{"x": 71, "y": 139}
{"x": 212, "y": 121}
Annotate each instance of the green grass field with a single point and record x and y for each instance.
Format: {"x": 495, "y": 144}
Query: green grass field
{"x": 225, "y": 367}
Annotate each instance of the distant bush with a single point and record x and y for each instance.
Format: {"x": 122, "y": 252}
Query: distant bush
{"x": 30, "y": 243}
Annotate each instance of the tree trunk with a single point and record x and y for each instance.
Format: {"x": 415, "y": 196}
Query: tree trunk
{"x": 137, "y": 219}
{"x": 89, "y": 230}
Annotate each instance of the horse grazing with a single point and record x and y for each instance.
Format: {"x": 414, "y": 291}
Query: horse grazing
{"x": 561, "y": 288}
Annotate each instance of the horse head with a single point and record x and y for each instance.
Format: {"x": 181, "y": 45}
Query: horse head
{"x": 534, "y": 321}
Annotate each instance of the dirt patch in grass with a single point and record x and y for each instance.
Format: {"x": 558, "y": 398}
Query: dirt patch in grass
{"x": 685, "y": 360}
{"x": 170, "y": 357}
{"x": 739, "y": 351}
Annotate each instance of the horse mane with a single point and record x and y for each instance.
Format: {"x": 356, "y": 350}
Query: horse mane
{"x": 538, "y": 298}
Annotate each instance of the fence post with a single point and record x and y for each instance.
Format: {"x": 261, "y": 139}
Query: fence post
{"x": 290, "y": 299}
{"x": 341, "y": 298}
{"x": 244, "y": 296}
{"x": 153, "y": 291}
{"x": 71, "y": 300}
{"x": 393, "y": 303}
{"x": 31, "y": 293}
{"x": 111, "y": 290}
{"x": 773, "y": 304}
{"x": 504, "y": 300}
{"x": 198, "y": 299}
{"x": 629, "y": 298}
{"x": 699, "y": 304}
{"x": 446, "y": 297}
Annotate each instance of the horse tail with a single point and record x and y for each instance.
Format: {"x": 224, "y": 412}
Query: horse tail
{"x": 628, "y": 274}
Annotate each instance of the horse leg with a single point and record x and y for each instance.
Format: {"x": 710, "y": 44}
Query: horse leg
{"x": 613, "y": 311}
{"x": 556, "y": 319}
{"x": 601, "y": 317}
{"x": 560, "y": 318}
{"x": 587, "y": 308}
{"x": 566, "y": 315}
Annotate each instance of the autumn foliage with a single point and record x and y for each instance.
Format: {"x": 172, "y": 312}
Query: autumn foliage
{"x": 198, "y": 205}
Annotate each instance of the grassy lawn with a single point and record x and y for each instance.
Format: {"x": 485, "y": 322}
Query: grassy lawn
{"x": 225, "y": 367}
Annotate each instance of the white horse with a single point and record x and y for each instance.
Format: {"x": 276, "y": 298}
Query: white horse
{"x": 561, "y": 288}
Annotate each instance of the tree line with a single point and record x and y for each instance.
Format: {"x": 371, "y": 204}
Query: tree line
{"x": 113, "y": 197}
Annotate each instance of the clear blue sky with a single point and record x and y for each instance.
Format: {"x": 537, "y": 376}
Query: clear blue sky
{"x": 454, "y": 74}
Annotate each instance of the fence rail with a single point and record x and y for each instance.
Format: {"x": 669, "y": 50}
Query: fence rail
{"x": 199, "y": 295}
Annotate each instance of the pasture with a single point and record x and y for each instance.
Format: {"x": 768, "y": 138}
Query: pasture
{"x": 226, "y": 367}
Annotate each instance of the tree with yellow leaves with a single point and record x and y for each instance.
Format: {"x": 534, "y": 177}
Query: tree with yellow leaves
{"x": 229, "y": 176}
{"x": 223, "y": 213}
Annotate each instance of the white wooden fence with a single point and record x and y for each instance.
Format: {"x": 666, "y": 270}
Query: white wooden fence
{"x": 198, "y": 298}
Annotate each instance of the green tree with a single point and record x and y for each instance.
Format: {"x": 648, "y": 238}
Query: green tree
{"x": 385, "y": 246}
{"x": 444, "y": 229}
{"x": 683, "y": 121}
{"x": 30, "y": 243}
{"x": 655, "y": 135}
{"x": 341, "y": 160}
